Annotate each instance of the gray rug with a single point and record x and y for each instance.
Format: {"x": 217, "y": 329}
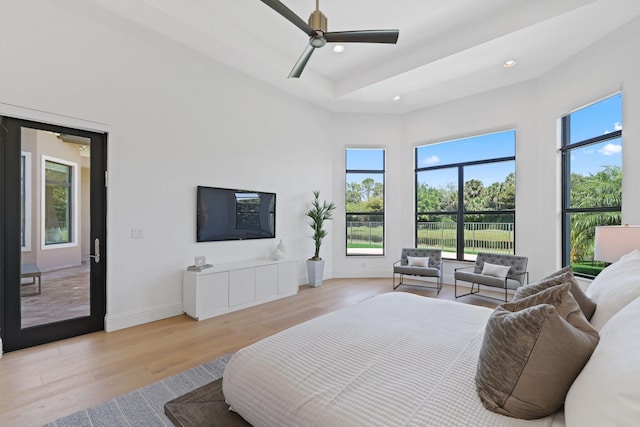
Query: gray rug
{"x": 145, "y": 406}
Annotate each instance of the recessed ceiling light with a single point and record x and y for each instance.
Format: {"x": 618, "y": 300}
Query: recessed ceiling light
{"x": 338, "y": 48}
{"x": 397, "y": 98}
{"x": 509, "y": 63}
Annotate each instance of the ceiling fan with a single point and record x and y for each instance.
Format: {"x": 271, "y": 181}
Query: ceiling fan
{"x": 316, "y": 29}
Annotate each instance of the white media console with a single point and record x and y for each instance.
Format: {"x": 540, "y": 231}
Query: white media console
{"x": 229, "y": 287}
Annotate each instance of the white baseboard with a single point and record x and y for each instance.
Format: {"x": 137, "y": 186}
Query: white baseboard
{"x": 113, "y": 322}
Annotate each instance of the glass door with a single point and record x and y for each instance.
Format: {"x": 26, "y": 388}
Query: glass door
{"x": 53, "y": 232}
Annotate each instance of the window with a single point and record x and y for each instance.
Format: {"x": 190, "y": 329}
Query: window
{"x": 591, "y": 179}
{"x": 25, "y": 201}
{"x": 365, "y": 201}
{"x": 465, "y": 195}
{"x": 58, "y": 202}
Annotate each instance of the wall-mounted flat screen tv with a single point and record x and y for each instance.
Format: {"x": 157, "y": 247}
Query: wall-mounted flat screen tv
{"x": 227, "y": 214}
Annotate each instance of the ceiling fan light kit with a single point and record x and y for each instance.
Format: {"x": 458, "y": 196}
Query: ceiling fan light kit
{"x": 316, "y": 29}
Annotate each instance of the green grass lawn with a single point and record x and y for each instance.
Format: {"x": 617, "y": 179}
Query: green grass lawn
{"x": 360, "y": 245}
{"x": 589, "y": 268}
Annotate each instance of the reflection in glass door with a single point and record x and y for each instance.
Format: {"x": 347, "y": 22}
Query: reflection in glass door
{"x": 54, "y": 273}
{"x": 58, "y": 289}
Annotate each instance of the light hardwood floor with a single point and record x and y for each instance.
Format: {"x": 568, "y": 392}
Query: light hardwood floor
{"x": 47, "y": 382}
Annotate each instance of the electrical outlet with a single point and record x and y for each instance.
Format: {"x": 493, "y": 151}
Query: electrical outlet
{"x": 137, "y": 233}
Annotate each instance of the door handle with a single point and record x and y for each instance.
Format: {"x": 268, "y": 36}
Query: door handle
{"x": 96, "y": 250}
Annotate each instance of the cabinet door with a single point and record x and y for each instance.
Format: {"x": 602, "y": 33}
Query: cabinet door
{"x": 242, "y": 286}
{"x": 212, "y": 296}
{"x": 288, "y": 277}
{"x": 266, "y": 282}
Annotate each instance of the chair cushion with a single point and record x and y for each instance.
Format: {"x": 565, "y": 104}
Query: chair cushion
{"x": 517, "y": 263}
{"x": 418, "y": 261}
{"x": 483, "y": 279}
{"x": 434, "y": 255}
{"x": 532, "y": 351}
{"x": 416, "y": 271}
{"x": 495, "y": 270}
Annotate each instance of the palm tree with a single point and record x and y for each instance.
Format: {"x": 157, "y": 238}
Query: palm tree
{"x": 600, "y": 190}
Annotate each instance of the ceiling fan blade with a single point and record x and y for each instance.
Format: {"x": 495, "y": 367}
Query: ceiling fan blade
{"x": 366, "y": 36}
{"x": 290, "y": 16}
{"x": 302, "y": 62}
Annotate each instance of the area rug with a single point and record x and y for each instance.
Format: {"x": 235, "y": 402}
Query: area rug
{"x": 145, "y": 406}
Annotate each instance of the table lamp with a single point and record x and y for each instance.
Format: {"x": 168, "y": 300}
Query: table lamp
{"x": 614, "y": 241}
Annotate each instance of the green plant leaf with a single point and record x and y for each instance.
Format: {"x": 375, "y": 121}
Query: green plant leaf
{"x": 318, "y": 214}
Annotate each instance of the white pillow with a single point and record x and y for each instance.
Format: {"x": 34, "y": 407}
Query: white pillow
{"x": 607, "y": 391}
{"x": 615, "y": 287}
{"x": 418, "y": 261}
{"x": 495, "y": 270}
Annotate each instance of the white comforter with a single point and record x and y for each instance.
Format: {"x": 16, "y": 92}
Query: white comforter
{"x": 397, "y": 359}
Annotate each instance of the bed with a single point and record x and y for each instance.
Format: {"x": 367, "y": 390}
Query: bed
{"x": 399, "y": 359}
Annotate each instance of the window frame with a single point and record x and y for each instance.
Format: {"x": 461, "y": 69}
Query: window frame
{"x": 26, "y": 202}
{"x": 461, "y": 212}
{"x": 73, "y": 208}
{"x": 382, "y": 173}
{"x": 566, "y": 148}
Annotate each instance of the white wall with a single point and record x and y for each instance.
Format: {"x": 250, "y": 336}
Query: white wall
{"x": 177, "y": 120}
{"x": 605, "y": 68}
{"x": 508, "y": 108}
{"x": 367, "y": 131}
{"x": 533, "y": 110}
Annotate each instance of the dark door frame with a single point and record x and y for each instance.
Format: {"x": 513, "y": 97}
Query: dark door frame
{"x": 15, "y": 337}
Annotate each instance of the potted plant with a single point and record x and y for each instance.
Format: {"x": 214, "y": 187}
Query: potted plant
{"x": 318, "y": 214}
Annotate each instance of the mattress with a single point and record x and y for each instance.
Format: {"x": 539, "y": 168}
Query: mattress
{"x": 397, "y": 359}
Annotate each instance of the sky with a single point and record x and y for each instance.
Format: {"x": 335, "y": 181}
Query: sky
{"x": 365, "y": 159}
{"x": 599, "y": 118}
{"x": 482, "y": 147}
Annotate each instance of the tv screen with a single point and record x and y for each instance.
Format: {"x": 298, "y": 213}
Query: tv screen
{"x": 227, "y": 214}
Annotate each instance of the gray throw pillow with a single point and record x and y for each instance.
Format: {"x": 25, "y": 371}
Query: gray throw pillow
{"x": 533, "y": 349}
{"x": 564, "y": 275}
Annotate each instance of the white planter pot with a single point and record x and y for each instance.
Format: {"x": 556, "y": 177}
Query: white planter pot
{"x": 315, "y": 269}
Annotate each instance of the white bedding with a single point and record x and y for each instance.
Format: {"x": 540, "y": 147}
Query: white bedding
{"x": 397, "y": 359}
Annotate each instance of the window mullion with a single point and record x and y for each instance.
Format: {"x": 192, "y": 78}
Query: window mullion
{"x": 460, "y": 216}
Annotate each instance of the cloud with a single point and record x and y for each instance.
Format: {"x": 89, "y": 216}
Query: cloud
{"x": 431, "y": 160}
{"x": 610, "y": 149}
{"x": 616, "y": 127}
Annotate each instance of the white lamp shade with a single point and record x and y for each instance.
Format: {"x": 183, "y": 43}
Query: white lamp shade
{"x": 614, "y": 241}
